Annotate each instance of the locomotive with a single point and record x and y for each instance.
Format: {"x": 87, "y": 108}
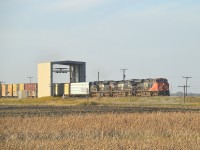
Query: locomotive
{"x": 134, "y": 87}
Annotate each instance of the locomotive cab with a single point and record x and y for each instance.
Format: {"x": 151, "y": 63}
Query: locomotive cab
{"x": 160, "y": 87}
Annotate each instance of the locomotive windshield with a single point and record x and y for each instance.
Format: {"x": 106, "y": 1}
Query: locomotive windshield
{"x": 161, "y": 80}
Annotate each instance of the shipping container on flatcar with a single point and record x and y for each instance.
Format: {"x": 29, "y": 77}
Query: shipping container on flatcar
{"x": 10, "y": 90}
{"x": 21, "y": 86}
{"x": 66, "y": 89}
{"x": 81, "y": 88}
{"x": 58, "y": 89}
{"x": 3, "y": 90}
{"x": 7, "y": 90}
{"x": 31, "y": 88}
{"x": 15, "y": 90}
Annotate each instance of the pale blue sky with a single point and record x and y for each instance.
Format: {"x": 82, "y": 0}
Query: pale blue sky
{"x": 152, "y": 38}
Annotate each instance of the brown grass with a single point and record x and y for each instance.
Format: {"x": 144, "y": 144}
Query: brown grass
{"x": 144, "y": 131}
{"x": 118, "y": 101}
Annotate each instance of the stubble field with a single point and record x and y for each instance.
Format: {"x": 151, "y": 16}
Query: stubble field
{"x": 99, "y": 127}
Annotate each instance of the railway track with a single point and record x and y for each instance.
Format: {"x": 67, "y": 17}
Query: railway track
{"x": 24, "y": 111}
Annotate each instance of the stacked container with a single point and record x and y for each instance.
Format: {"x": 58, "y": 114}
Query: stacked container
{"x": 81, "y": 88}
{"x": 21, "y": 86}
{"x": 31, "y": 88}
{"x": 7, "y": 90}
{"x": 66, "y": 89}
{"x": 15, "y": 90}
{"x": 22, "y": 94}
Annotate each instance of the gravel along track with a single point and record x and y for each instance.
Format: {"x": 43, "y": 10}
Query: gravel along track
{"x": 6, "y": 110}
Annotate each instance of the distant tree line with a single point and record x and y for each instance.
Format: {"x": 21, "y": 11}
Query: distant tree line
{"x": 181, "y": 94}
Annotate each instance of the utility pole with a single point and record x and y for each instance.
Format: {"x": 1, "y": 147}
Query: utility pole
{"x": 98, "y": 77}
{"x": 30, "y": 78}
{"x": 124, "y": 75}
{"x": 184, "y": 91}
{"x": 186, "y": 83}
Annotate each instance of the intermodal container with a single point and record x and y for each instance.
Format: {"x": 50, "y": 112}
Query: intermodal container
{"x": 0, "y": 90}
{"x": 7, "y": 90}
{"x": 66, "y": 89}
{"x": 23, "y": 94}
{"x": 81, "y": 88}
{"x": 31, "y": 88}
{"x": 3, "y": 90}
{"x": 21, "y": 86}
{"x": 10, "y": 90}
{"x": 15, "y": 90}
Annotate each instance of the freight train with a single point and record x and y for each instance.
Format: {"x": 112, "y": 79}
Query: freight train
{"x": 134, "y": 87}
{"x": 111, "y": 88}
{"x": 15, "y": 90}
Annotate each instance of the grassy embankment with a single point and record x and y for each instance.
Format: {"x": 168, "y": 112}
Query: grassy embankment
{"x": 126, "y": 101}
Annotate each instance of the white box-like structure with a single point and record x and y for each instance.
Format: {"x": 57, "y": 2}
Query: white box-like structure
{"x": 80, "y": 88}
{"x": 77, "y": 72}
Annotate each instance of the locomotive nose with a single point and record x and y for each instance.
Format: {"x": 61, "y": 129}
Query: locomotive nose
{"x": 163, "y": 86}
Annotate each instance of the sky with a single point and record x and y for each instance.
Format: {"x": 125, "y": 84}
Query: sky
{"x": 150, "y": 38}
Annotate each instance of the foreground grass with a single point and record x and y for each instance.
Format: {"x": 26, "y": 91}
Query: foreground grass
{"x": 128, "y": 101}
{"x": 104, "y": 131}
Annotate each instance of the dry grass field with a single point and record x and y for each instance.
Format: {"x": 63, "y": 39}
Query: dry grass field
{"x": 110, "y": 124}
{"x": 143, "y": 131}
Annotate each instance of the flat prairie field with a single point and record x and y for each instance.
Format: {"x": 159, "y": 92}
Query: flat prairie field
{"x": 86, "y": 127}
